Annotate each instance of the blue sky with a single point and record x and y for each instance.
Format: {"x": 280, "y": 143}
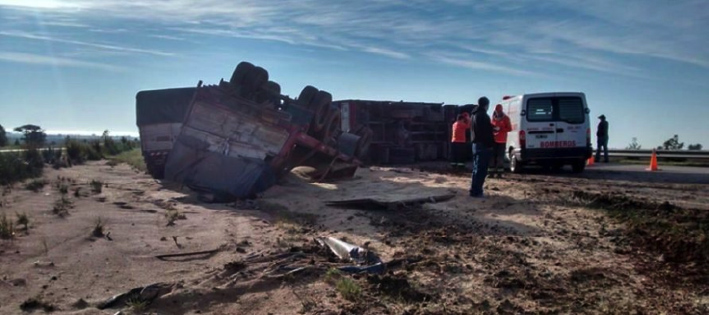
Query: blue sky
{"x": 76, "y": 65}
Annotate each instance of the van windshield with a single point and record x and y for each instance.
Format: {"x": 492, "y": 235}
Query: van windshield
{"x": 566, "y": 109}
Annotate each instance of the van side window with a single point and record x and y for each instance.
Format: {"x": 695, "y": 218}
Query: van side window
{"x": 539, "y": 109}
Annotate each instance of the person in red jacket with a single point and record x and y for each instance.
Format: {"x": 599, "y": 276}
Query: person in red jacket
{"x": 458, "y": 140}
{"x": 501, "y": 126}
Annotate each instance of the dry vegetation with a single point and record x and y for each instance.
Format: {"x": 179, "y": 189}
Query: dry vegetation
{"x": 537, "y": 244}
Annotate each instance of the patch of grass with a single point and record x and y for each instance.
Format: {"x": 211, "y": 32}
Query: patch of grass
{"x": 62, "y": 206}
{"x": 137, "y": 304}
{"x": 332, "y": 275}
{"x": 7, "y": 229}
{"x": 96, "y": 186}
{"x": 36, "y": 185}
{"x": 99, "y": 227}
{"x": 63, "y": 189}
{"x": 6, "y": 189}
{"x": 174, "y": 215}
{"x": 283, "y": 215}
{"x": 23, "y": 219}
{"x": 134, "y": 158}
{"x": 35, "y": 303}
{"x": 349, "y": 289}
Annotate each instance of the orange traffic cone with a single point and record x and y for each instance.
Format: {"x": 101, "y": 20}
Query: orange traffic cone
{"x": 653, "y": 162}
{"x": 590, "y": 161}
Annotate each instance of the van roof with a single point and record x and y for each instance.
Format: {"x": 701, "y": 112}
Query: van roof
{"x": 547, "y": 94}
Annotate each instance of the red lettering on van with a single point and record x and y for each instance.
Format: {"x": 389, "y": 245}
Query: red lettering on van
{"x": 557, "y": 144}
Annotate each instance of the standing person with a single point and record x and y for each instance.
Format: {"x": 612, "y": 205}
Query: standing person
{"x": 501, "y": 126}
{"x": 458, "y": 140}
{"x": 483, "y": 142}
{"x": 602, "y": 139}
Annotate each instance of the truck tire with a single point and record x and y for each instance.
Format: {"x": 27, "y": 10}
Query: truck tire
{"x": 321, "y": 107}
{"x": 578, "y": 166}
{"x": 270, "y": 91}
{"x": 364, "y": 142}
{"x": 515, "y": 165}
{"x": 306, "y": 96}
{"x": 239, "y": 74}
{"x": 330, "y": 129}
{"x": 256, "y": 78}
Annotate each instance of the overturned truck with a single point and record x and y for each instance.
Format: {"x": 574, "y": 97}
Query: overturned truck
{"x": 237, "y": 138}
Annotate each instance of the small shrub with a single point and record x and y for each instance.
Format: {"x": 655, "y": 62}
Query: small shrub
{"x": 96, "y": 186}
{"x": 62, "y": 206}
{"x": 7, "y": 230}
{"x": 77, "y": 192}
{"x": 174, "y": 215}
{"x": 35, "y": 303}
{"x": 137, "y": 304}
{"x": 63, "y": 189}
{"x": 22, "y": 219}
{"x": 98, "y": 228}
{"x": 349, "y": 289}
{"x": 36, "y": 185}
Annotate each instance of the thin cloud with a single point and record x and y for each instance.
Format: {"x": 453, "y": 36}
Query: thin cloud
{"x": 168, "y": 37}
{"x": 386, "y": 52}
{"x": 35, "y": 59}
{"x": 479, "y": 65}
{"x": 25, "y": 35}
{"x": 648, "y": 28}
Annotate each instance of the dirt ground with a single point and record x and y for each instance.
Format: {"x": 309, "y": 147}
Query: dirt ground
{"x": 536, "y": 244}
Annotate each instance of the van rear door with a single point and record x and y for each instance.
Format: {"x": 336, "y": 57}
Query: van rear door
{"x": 570, "y": 124}
{"x": 540, "y": 126}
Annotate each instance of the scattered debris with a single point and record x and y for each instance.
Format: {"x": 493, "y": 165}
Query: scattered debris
{"x": 387, "y": 203}
{"x": 147, "y": 294}
{"x": 204, "y": 252}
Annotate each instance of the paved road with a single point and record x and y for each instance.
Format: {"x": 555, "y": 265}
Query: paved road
{"x": 21, "y": 150}
{"x": 666, "y": 174}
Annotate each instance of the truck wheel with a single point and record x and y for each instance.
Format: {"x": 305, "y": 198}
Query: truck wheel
{"x": 321, "y": 108}
{"x": 256, "y": 78}
{"x": 578, "y": 166}
{"x": 306, "y": 96}
{"x": 331, "y": 126}
{"x": 270, "y": 91}
{"x": 156, "y": 171}
{"x": 364, "y": 141}
{"x": 515, "y": 165}
{"x": 239, "y": 74}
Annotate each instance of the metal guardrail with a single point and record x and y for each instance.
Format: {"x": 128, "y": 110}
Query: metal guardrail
{"x": 677, "y": 154}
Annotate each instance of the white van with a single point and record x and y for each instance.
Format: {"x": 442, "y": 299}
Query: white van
{"x": 548, "y": 129}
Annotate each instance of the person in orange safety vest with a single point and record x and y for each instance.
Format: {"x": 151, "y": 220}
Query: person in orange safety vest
{"x": 459, "y": 141}
{"x": 501, "y": 126}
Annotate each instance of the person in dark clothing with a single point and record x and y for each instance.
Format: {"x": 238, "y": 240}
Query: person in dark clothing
{"x": 483, "y": 141}
{"x": 602, "y": 139}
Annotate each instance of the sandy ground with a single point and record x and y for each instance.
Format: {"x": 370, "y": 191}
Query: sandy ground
{"x": 529, "y": 247}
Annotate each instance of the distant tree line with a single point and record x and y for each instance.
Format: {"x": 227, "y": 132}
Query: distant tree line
{"x": 672, "y": 144}
{"x": 30, "y": 162}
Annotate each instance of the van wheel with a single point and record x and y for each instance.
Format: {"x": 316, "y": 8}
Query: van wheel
{"x": 515, "y": 165}
{"x": 578, "y": 166}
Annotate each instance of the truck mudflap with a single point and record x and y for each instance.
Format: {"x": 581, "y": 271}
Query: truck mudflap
{"x": 232, "y": 145}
